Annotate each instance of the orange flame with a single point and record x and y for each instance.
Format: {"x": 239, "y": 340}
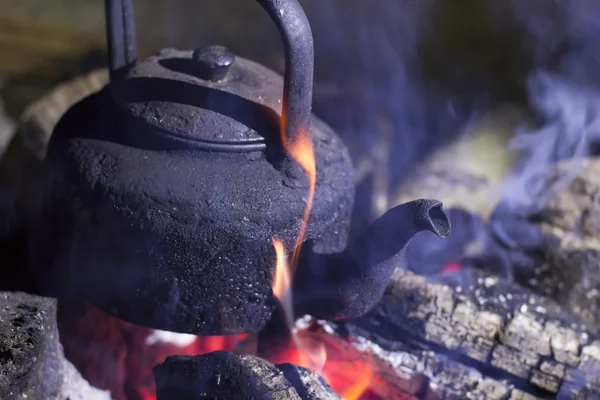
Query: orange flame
{"x": 281, "y": 285}
{"x": 301, "y": 150}
{"x": 302, "y": 352}
{"x": 305, "y": 354}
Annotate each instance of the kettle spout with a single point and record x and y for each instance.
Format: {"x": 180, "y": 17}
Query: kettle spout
{"x": 346, "y": 285}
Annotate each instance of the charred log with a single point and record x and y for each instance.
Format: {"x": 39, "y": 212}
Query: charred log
{"x": 223, "y": 374}
{"x": 491, "y": 340}
{"x": 32, "y": 364}
{"x": 565, "y": 260}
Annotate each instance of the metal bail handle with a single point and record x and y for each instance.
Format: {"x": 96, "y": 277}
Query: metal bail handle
{"x": 293, "y": 26}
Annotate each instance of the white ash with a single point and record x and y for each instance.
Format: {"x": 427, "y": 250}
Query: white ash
{"x": 74, "y": 387}
{"x": 177, "y": 339}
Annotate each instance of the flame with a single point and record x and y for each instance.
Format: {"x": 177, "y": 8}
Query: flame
{"x": 301, "y": 352}
{"x": 301, "y": 150}
{"x": 282, "y": 283}
{"x": 308, "y": 355}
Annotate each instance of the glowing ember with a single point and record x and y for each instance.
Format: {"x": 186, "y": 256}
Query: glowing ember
{"x": 356, "y": 391}
{"x": 118, "y": 356}
{"x": 452, "y": 267}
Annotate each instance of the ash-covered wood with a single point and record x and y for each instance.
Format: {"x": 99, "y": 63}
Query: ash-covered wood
{"x": 567, "y": 265}
{"x": 225, "y": 375}
{"x": 32, "y": 365}
{"x": 308, "y": 384}
{"x": 20, "y": 165}
{"x": 490, "y": 340}
{"x": 38, "y": 120}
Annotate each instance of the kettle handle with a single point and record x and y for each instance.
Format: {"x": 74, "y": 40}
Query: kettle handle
{"x": 294, "y": 28}
{"x": 120, "y": 35}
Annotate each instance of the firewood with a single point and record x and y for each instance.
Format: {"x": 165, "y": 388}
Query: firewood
{"x": 225, "y": 375}
{"x": 38, "y": 120}
{"x": 308, "y": 384}
{"x": 567, "y": 263}
{"x": 491, "y": 340}
{"x": 21, "y": 167}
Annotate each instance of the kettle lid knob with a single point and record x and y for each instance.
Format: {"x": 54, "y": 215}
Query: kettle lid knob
{"x": 213, "y": 62}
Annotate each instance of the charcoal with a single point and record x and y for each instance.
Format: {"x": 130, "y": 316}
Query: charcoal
{"x": 32, "y": 364}
{"x": 492, "y": 340}
{"x": 225, "y": 375}
{"x": 28, "y": 345}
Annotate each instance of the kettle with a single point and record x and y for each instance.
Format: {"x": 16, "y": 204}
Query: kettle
{"x": 164, "y": 188}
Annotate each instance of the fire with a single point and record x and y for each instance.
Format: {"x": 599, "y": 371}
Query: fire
{"x": 305, "y": 354}
{"x": 300, "y": 351}
{"x": 301, "y": 150}
{"x": 281, "y": 285}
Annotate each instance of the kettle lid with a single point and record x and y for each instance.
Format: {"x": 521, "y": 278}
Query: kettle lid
{"x": 207, "y": 98}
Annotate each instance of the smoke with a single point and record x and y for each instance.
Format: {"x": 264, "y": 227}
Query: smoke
{"x": 568, "y": 128}
{"x": 431, "y": 67}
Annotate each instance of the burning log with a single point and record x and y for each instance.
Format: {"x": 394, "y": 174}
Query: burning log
{"x": 223, "y": 374}
{"x": 32, "y": 364}
{"x": 567, "y": 264}
{"x": 491, "y": 340}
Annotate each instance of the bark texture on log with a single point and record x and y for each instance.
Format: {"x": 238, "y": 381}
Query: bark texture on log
{"x": 491, "y": 340}
{"x": 38, "y": 120}
{"x": 21, "y": 166}
{"x": 225, "y": 375}
{"x": 567, "y": 266}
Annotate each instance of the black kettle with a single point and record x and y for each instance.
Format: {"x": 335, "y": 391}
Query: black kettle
{"x": 165, "y": 188}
